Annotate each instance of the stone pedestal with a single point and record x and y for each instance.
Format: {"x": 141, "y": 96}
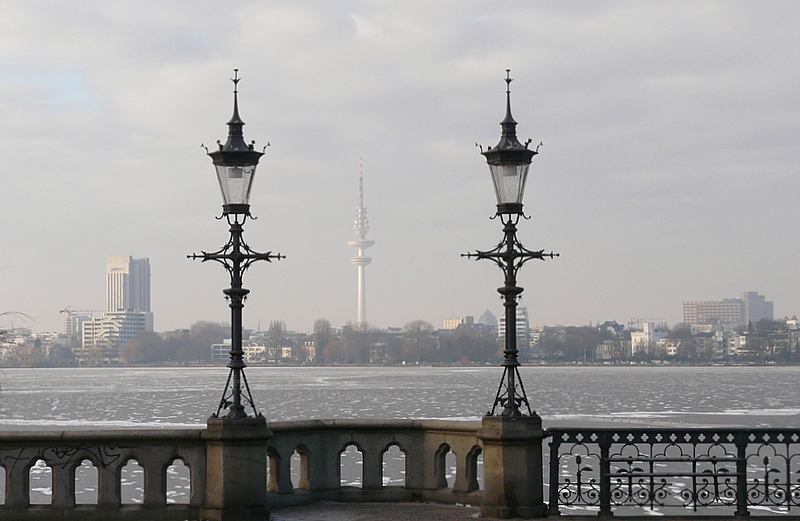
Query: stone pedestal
{"x": 236, "y": 470}
{"x": 512, "y": 467}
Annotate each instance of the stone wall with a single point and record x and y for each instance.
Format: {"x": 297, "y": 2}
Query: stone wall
{"x": 424, "y": 444}
{"x": 108, "y": 452}
{"x": 319, "y": 445}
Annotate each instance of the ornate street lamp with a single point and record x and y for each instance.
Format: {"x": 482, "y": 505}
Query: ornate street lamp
{"x": 509, "y": 162}
{"x": 236, "y": 163}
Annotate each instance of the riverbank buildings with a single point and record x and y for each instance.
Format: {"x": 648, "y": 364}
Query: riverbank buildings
{"x": 750, "y": 308}
{"x": 127, "y": 312}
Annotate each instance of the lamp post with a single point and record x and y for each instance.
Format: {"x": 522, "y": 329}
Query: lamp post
{"x": 236, "y": 162}
{"x": 509, "y": 162}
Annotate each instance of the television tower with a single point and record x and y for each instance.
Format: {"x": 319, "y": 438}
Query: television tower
{"x": 361, "y": 243}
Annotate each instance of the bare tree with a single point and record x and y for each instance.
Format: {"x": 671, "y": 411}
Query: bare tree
{"x": 417, "y": 338}
{"x": 322, "y": 332}
{"x": 277, "y": 330}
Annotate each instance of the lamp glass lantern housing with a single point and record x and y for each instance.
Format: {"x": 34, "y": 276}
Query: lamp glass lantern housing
{"x": 509, "y": 175}
{"x": 235, "y": 182}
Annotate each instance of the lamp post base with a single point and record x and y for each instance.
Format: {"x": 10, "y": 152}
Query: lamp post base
{"x": 512, "y": 456}
{"x": 236, "y": 462}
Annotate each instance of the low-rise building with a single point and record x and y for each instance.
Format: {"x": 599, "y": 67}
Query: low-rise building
{"x": 453, "y": 323}
{"x": 645, "y": 341}
{"x": 101, "y": 337}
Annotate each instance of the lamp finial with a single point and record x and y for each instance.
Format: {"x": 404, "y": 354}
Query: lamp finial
{"x": 236, "y": 79}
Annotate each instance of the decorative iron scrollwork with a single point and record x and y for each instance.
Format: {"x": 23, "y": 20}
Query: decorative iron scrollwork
{"x": 675, "y": 468}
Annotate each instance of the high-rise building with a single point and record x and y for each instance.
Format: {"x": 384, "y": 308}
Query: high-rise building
{"x": 127, "y": 311}
{"x": 756, "y": 307}
{"x": 361, "y": 243}
{"x": 127, "y": 284}
{"x": 752, "y": 307}
{"x": 727, "y": 311}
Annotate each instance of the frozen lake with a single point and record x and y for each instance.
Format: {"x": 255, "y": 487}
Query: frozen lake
{"x": 185, "y": 397}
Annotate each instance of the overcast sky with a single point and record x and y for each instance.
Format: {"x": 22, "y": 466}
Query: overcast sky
{"x": 668, "y": 172}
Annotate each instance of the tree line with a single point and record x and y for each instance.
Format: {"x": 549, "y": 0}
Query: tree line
{"x": 419, "y": 343}
{"x": 765, "y": 341}
{"x": 416, "y": 343}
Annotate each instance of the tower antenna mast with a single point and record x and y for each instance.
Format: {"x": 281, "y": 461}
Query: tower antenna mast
{"x": 361, "y": 243}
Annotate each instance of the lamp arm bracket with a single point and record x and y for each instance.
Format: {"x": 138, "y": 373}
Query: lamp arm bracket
{"x": 495, "y": 255}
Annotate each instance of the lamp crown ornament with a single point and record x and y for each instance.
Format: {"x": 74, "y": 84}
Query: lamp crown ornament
{"x": 509, "y": 161}
{"x": 236, "y": 161}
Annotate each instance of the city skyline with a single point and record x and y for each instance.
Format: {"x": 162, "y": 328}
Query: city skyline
{"x": 665, "y": 176}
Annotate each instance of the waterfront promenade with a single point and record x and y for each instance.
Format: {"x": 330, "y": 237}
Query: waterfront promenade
{"x": 328, "y": 511}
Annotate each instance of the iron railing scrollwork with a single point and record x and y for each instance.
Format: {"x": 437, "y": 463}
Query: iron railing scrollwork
{"x": 661, "y": 469}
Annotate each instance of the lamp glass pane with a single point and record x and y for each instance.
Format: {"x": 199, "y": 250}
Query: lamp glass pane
{"x": 235, "y": 183}
{"x": 509, "y": 182}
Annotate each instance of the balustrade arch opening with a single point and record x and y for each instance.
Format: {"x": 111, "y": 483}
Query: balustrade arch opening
{"x": 299, "y": 468}
{"x": 85, "y": 478}
{"x": 131, "y": 484}
{"x": 351, "y": 466}
{"x": 40, "y": 483}
{"x": 179, "y": 483}
{"x": 393, "y": 459}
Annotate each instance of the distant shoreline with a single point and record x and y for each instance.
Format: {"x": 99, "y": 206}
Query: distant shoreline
{"x": 409, "y": 366}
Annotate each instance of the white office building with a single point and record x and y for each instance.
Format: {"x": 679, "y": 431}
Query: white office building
{"x": 103, "y": 336}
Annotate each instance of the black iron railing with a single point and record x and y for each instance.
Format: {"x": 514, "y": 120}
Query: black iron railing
{"x": 727, "y": 470}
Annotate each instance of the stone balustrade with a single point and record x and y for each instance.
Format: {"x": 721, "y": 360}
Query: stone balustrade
{"x": 212, "y": 466}
{"x": 424, "y": 445}
{"x": 109, "y": 452}
{"x": 239, "y": 469}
